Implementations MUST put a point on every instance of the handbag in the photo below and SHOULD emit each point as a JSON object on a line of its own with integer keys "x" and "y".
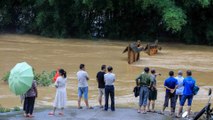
{"x": 136, "y": 91}
{"x": 195, "y": 90}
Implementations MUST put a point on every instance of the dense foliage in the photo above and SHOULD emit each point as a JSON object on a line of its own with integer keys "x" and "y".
{"x": 189, "y": 21}
{"x": 44, "y": 78}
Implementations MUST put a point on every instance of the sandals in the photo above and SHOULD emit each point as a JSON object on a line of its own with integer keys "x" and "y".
{"x": 80, "y": 107}
{"x": 149, "y": 111}
{"x": 139, "y": 111}
{"x": 30, "y": 116}
{"x": 153, "y": 111}
{"x": 143, "y": 112}
{"x": 162, "y": 113}
{"x": 51, "y": 113}
{"x": 60, "y": 113}
{"x": 90, "y": 108}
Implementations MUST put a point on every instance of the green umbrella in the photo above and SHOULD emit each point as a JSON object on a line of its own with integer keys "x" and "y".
{"x": 21, "y": 78}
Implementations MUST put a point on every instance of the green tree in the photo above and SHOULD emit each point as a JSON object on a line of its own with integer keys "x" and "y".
{"x": 188, "y": 21}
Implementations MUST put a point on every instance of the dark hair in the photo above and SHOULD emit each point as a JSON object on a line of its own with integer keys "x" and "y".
{"x": 153, "y": 71}
{"x": 82, "y": 66}
{"x": 171, "y": 73}
{"x": 63, "y": 73}
{"x": 103, "y": 67}
{"x": 188, "y": 72}
{"x": 109, "y": 68}
{"x": 146, "y": 69}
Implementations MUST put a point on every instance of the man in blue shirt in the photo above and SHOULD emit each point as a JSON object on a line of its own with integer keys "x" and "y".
{"x": 170, "y": 84}
{"x": 188, "y": 84}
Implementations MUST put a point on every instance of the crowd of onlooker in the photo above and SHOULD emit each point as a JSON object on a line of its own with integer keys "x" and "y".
{"x": 176, "y": 89}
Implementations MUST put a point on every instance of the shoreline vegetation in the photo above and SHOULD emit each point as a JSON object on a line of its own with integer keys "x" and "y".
{"x": 162, "y": 40}
{"x": 184, "y": 21}
{"x": 43, "y": 79}
{"x": 6, "y": 110}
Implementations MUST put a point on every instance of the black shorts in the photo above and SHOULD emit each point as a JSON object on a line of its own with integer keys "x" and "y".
{"x": 153, "y": 94}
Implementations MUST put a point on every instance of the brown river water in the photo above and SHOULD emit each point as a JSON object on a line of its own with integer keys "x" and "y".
{"x": 48, "y": 54}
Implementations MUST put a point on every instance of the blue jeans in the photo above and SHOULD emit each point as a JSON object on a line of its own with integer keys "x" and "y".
{"x": 83, "y": 90}
{"x": 178, "y": 97}
{"x": 143, "y": 96}
{"x": 183, "y": 100}
{"x": 109, "y": 91}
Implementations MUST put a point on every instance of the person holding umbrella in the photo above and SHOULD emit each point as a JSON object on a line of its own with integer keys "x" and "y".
{"x": 61, "y": 93}
{"x": 21, "y": 83}
{"x": 29, "y": 100}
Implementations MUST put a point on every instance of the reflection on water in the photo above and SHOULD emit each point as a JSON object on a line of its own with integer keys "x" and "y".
{"x": 48, "y": 54}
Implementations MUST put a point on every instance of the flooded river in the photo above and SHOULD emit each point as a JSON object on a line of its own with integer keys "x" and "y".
{"x": 48, "y": 54}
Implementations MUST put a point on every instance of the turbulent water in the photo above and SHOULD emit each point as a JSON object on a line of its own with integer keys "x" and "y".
{"x": 49, "y": 54}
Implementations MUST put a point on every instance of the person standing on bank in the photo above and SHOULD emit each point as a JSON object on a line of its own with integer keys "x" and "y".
{"x": 180, "y": 88}
{"x": 170, "y": 84}
{"x": 83, "y": 77}
{"x": 101, "y": 84}
{"x": 29, "y": 100}
{"x": 144, "y": 81}
{"x": 109, "y": 79}
{"x": 61, "y": 93}
{"x": 189, "y": 83}
{"x": 152, "y": 91}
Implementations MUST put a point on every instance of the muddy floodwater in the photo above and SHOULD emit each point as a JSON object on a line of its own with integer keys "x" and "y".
{"x": 48, "y": 54}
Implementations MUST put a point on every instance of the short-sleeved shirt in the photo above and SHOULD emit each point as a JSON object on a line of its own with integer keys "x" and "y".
{"x": 82, "y": 78}
{"x": 170, "y": 82}
{"x": 188, "y": 84}
{"x": 179, "y": 90}
{"x": 144, "y": 79}
{"x": 61, "y": 82}
{"x": 153, "y": 79}
{"x": 32, "y": 92}
{"x": 109, "y": 79}
{"x": 100, "y": 79}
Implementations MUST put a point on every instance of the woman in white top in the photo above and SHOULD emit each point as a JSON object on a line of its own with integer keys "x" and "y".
{"x": 61, "y": 93}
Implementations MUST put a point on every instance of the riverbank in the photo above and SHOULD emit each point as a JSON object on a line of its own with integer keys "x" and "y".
{"x": 88, "y": 114}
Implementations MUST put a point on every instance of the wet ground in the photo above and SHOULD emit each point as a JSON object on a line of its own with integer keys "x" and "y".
{"x": 95, "y": 114}
{"x": 48, "y": 54}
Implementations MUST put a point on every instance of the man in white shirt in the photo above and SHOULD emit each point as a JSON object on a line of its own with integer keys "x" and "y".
{"x": 82, "y": 77}
{"x": 179, "y": 90}
{"x": 109, "y": 79}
